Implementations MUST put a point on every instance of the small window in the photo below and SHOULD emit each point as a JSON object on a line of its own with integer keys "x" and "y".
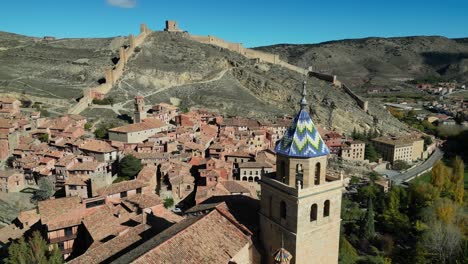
{"x": 313, "y": 213}
{"x": 283, "y": 210}
{"x": 123, "y": 194}
{"x": 138, "y": 190}
{"x": 326, "y": 208}
{"x": 72, "y": 187}
{"x": 68, "y": 232}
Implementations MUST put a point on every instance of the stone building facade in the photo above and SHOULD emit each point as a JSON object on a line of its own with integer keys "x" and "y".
{"x": 407, "y": 149}
{"x": 301, "y": 205}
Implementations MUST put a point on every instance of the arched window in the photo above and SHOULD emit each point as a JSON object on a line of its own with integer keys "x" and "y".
{"x": 326, "y": 208}
{"x": 256, "y": 179}
{"x": 317, "y": 174}
{"x": 283, "y": 210}
{"x": 250, "y": 179}
{"x": 282, "y": 171}
{"x": 299, "y": 171}
{"x": 313, "y": 212}
{"x": 244, "y": 178}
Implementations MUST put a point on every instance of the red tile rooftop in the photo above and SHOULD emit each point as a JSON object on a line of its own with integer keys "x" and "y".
{"x": 216, "y": 236}
{"x": 121, "y": 187}
{"x": 86, "y": 166}
{"x": 145, "y": 125}
{"x": 62, "y": 212}
{"x": 99, "y": 146}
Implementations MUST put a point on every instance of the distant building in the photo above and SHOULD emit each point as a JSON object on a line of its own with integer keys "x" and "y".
{"x": 139, "y": 132}
{"x": 172, "y": 26}
{"x": 11, "y": 181}
{"x": 404, "y": 148}
{"x": 252, "y": 171}
{"x": 353, "y": 150}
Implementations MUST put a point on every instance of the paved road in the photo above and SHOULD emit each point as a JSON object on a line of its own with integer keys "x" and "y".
{"x": 400, "y": 178}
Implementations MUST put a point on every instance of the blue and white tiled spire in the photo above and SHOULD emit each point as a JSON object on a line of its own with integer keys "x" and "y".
{"x": 302, "y": 139}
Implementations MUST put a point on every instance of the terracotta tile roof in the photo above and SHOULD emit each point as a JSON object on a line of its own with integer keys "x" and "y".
{"x": 102, "y": 223}
{"x": 30, "y": 216}
{"x": 87, "y": 166}
{"x": 8, "y": 173}
{"x": 97, "y": 146}
{"x": 213, "y": 238}
{"x": 234, "y": 187}
{"x": 8, "y": 100}
{"x": 75, "y": 180}
{"x": 65, "y": 160}
{"x": 146, "y": 125}
{"x": 240, "y": 122}
{"x": 104, "y": 251}
{"x": 255, "y": 164}
{"x": 6, "y": 123}
{"x": 146, "y": 173}
{"x": 397, "y": 141}
{"x": 121, "y": 187}
{"x": 169, "y": 216}
{"x": 144, "y": 200}
{"x": 61, "y": 213}
{"x": 239, "y": 154}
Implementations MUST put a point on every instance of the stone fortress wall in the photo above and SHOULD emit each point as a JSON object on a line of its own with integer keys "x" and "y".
{"x": 275, "y": 59}
{"x": 112, "y": 75}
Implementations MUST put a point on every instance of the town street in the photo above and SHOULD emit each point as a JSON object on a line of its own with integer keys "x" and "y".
{"x": 427, "y": 164}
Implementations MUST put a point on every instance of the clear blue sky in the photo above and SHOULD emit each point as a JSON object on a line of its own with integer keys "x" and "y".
{"x": 252, "y": 22}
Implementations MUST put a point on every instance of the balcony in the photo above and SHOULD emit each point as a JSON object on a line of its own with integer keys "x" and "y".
{"x": 62, "y": 238}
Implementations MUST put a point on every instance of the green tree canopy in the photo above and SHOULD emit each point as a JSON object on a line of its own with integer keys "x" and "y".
{"x": 36, "y": 251}
{"x": 46, "y": 189}
{"x": 129, "y": 166}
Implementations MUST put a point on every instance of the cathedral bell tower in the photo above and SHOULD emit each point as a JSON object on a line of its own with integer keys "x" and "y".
{"x": 300, "y": 204}
{"x": 140, "y": 112}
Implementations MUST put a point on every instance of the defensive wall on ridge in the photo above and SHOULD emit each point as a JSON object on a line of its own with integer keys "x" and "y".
{"x": 112, "y": 75}
{"x": 275, "y": 59}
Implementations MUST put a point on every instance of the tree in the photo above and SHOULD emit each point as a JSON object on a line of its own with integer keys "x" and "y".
{"x": 129, "y": 166}
{"x": 55, "y": 255}
{"x": 46, "y": 189}
{"x": 18, "y": 252}
{"x": 43, "y": 137}
{"x": 427, "y": 141}
{"x": 400, "y": 165}
{"x": 440, "y": 174}
{"x": 443, "y": 241}
{"x": 35, "y": 251}
{"x": 168, "y": 202}
{"x": 368, "y": 229}
{"x": 347, "y": 253}
{"x": 10, "y": 161}
{"x": 370, "y": 153}
{"x": 101, "y": 132}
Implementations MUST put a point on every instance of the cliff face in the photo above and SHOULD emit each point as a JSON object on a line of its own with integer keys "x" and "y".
{"x": 382, "y": 59}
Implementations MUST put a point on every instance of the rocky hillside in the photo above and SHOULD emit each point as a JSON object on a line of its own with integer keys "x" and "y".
{"x": 56, "y": 69}
{"x": 200, "y": 75}
{"x": 170, "y": 65}
{"x": 382, "y": 59}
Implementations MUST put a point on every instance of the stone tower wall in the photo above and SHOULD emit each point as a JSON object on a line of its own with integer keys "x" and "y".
{"x": 112, "y": 75}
